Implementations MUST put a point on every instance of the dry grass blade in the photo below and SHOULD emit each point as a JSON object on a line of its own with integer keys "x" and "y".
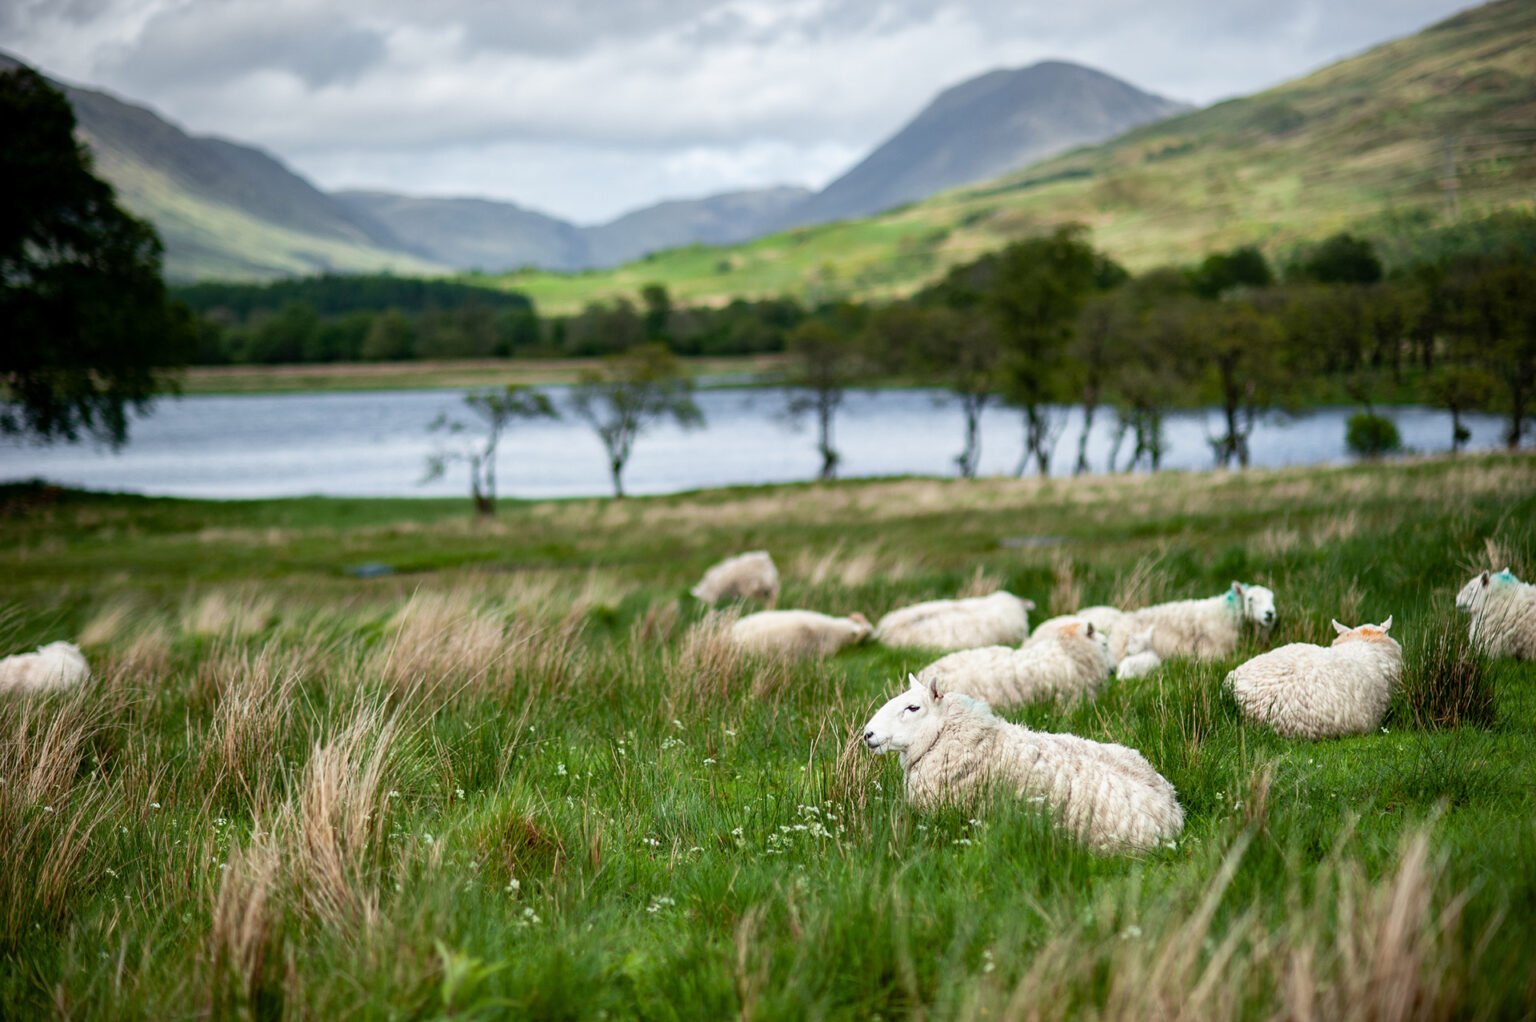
{"x": 50, "y": 808}
{"x": 339, "y": 820}
{"x": 255, "y": 709}
{"x": 245, "y": 933}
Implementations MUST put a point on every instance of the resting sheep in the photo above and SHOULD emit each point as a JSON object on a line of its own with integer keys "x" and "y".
{"x": 56, "y": 666}
{"x": 1001, "y": 619}
{"x": 1071, "y": 662}
{"x": 1503, "y": 610}
{"x": 1306, "y": 691}
{"x": 1104, "y": 620}
{"x": 1199, "y": 628}
{"x": 799, "y": 633}
{"x": 748, "y": 576}
{"x": 953, "y": 749}
{"x": 1140, "y": 658}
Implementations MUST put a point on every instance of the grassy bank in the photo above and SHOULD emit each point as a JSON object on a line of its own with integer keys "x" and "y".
{"x": 522, "y": 774}
{"x": 441, "y": 373}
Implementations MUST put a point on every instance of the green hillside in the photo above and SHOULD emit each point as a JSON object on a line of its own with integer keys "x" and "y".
{"x": 207, "y": 239}
{"x": 1365, "y": 144}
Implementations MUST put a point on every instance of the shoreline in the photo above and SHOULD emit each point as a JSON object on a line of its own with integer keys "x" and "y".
{"x": 444, "y": 374}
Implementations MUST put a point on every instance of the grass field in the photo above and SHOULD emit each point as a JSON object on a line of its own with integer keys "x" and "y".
{"x": 448, "y": 373}
{"x": 523, "y": 776}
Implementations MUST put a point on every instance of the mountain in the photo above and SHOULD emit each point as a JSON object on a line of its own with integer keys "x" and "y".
{"x": 224, "y": 209}
{"x": 716, "y": 220}
{"x": 499, "y": 236}
{"x": 1425, "y": 131}
{"x": 476, "y": 234}
{"x": 984, "y": 127}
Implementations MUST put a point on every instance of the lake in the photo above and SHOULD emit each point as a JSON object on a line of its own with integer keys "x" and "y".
{"x": 376, "y": 444}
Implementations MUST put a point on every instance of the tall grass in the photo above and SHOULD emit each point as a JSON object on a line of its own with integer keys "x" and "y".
{"x": 533, "y": 778}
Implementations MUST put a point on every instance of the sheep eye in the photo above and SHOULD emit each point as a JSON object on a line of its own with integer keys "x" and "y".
{"x": 913, "y": 709}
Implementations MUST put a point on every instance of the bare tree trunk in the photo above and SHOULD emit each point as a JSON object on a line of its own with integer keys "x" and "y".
{"x": 829, "y": 458}
{"x": 1081, "y": 467}
{"x": 970, "y": 456}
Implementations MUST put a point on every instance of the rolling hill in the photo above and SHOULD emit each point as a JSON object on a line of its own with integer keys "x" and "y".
{"x": 496, "y": 236}
{"x": 223, "y": 209}
{"x": 1406, "y": 136}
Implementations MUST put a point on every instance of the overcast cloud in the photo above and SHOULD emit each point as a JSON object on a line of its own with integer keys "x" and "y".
{"x": 586, "y": 109}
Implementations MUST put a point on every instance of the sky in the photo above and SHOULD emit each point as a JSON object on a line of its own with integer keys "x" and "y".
{"x": 585, "y": 109}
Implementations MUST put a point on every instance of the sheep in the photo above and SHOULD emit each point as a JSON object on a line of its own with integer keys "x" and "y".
{"x": 1503, "y": 610}
{"x": 1103, "y": 619}
{"x": 1074, "y": 661}
{"x": 952, "y": 748}
{"x": 1305, "y": 691}
{"x": 1199, "y": 628}
{"x": 1001, "y": 619}
{"x": 1140, "y": 658}
{"x": 799, "y": 632}
{"x": 58, "y": 665}
{"x": 748, "y": 576}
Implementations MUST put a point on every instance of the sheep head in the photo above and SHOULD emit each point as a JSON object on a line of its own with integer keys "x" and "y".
{"x": 1364, "y": 633}
{"x": 907, "y": 724}
{"x": 1471, "y": 596}
{"x": 1255, "y": 603}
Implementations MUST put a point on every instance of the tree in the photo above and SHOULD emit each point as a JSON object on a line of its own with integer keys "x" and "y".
{"x": 1222, "y": 272}
{"x": 658, "y": 312}
{"x": 390, "y": 337}
{"x": 1036, "y": 290}
{"x": 1340, "y": 259}
{"x": 823, "y": 360}
{"x": 496, "y": 411}
{"x": 954, "y": 349}
{"x": 88, "y": 332}
{"x": 632, "y": 392}
{"x": 1460, "y": 389}
{"x": 1091, "y": 353}
{"x": 1156, "y": 361}
{"x": 1494, "y": 315}
{"x": 1239, "y": 348}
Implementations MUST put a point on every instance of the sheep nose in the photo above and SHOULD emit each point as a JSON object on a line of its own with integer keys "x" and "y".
{"x": 869, "y": 738}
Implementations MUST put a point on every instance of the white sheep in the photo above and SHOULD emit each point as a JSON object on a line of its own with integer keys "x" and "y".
{"x": 1306, "y": 691}
{"x": 953, "y": 748}
{"x": 1140, "y": 658}
{"x": 1001, "y": 619}
{"x": 1103, "y": 619}
{"x": 748, "y": 576}
{"x": 56, "y": 666}
{"x": 1072, "y": 662}
{"x": 1199, "y": 628}
{"x": 799, "y": 632}
{"x": 1503, "y": 610}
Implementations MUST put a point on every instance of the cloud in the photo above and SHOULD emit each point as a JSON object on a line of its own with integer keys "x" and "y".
{"x": 610, "y": 98}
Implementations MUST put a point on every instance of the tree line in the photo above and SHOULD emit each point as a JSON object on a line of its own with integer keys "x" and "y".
{"x": 1048, "y": 323}
{"x": 384, "y": 318}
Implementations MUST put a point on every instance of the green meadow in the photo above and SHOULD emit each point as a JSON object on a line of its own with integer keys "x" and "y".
{"x": 523, "y": 775}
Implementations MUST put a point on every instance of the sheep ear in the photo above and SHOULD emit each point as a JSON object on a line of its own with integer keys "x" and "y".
{"x": 1029, "y": 604}
{"x": 912, "y": 681}
{"x": 1089, "y": 632}
{"x": 1339, "y": 628}
{"x": 1485, "y": 578}
{"x": 1386, "y": 625}
{"x": 1237, "y": 587}
{"x": 933, "y": 690}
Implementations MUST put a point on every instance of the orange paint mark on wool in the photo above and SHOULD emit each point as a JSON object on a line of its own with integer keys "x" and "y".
{"x": 1365, "y": 633}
